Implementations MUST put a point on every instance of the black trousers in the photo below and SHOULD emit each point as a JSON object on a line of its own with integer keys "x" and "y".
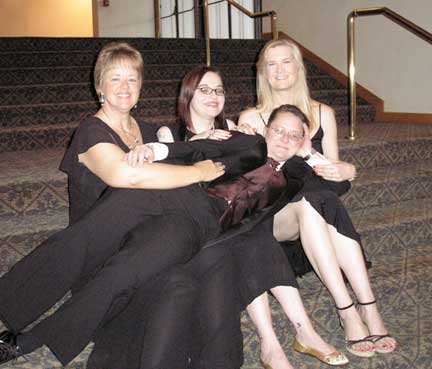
{"x": 154, "y": 330}
{"x": 170, "y": 333}
{"x": 173, "y": 226}
{"x": 229, "y": 276}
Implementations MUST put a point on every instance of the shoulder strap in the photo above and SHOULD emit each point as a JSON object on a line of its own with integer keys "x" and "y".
{"x": 262, "y": 118}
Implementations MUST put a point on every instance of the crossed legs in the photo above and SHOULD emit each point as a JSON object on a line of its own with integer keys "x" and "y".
{"x": 330, "y": 253}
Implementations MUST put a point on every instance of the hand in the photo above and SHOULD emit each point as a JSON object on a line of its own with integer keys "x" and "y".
{"x": 212, "y": 134}
{"x": 139, "y": 155}
{"x": 209, "y": 170}
{"x": 306, "y": 147}
{"x": 245, "y": 128}
{"x": 336, "y": 171}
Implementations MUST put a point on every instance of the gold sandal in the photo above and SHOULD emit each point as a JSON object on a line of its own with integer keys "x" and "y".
{"x": 335, "y": 358}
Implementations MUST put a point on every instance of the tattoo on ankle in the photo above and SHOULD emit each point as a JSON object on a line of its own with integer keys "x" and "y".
{"x": 298, "y": 325}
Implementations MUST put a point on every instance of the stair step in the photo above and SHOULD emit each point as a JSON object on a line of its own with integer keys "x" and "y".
{"x": 83, "y": 92}
{"x": 386, "y": 185}
{"x": 20, "y": 235}
{"x": 386, "y": 144}
{"x": 394, "y": 226}
{"x": 41, "y": 44}
{"x": 84, "y": 74}
{"x": 20, "y": 116}
{"x": 42, "y": 137}
{"x": 47, "y": 75}
{"x": 31, "y": 183}
{"x": 52, "y": 114}
{"x": 88, "y": 57}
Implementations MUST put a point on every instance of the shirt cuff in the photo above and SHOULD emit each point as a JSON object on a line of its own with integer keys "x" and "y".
{"x": 160, "y": 150}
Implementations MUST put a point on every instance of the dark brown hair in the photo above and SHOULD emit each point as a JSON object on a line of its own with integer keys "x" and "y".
{"x": 188, "y": 88}
{"x": 287, "y": 108}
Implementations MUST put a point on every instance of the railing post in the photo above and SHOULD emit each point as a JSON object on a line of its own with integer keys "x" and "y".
{"x": 157, "y": 17}
{"x": 351, "y": 76}
{"x": 273, "y": 19}
{"x": 206, "y": 32}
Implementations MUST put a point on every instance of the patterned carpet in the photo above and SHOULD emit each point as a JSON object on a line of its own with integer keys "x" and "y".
{"x": 43, "y": 96}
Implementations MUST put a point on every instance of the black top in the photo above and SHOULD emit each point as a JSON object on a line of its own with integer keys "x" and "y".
{"x": 317, "y": 140}
{"x": 84, "y": 186}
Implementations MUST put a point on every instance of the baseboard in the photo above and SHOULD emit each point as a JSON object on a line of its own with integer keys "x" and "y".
{"x": 362, "y": 92}
{"x": 403, "y": 117}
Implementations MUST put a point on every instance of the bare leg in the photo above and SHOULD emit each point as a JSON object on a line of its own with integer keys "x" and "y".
{"x": 292, "y": 304}
{"x": 271, "y": 350}
{"x": 351, "y": 261}
{"x": 319, "y": 248}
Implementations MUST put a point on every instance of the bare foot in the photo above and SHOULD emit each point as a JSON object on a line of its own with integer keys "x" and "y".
{"x": 356, "y": 330}
{"x": 274, "y": 357}
{"x": 373, "y": 320}
{"x": 312, "y": 339}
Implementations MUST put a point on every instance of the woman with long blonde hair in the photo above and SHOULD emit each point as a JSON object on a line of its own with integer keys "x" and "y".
{"x": 331, "y": 246}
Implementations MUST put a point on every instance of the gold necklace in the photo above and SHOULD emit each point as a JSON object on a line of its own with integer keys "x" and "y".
{"x": 135, "y": 139}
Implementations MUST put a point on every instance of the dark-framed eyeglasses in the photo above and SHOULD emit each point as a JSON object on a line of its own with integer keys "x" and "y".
{"x": 293, "y": 136}
{"x": 207, "y": 90}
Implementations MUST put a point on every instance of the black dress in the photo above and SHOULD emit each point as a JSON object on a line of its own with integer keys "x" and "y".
{"x": 323, "y": 196}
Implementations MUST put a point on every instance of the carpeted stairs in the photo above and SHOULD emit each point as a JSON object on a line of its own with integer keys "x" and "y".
{"x": 46, "y": 89}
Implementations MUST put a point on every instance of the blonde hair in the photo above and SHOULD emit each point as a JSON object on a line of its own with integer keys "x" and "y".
{"x": 301, "y": 96}
{"x": 116, "y": 53}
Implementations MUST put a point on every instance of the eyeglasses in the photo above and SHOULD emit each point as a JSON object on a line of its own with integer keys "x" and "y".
{"x": 280, "y": 132}
{"x": 207, "y": 90}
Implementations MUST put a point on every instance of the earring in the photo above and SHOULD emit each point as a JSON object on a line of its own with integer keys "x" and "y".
{"x": 136, "y": 105}
{"x": 101, "y": 98}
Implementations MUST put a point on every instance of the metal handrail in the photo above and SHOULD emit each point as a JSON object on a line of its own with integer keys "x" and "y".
{"x": 398, "y": 19}
{"x": 266, "y": 13}
{"x": 157, "y": 18}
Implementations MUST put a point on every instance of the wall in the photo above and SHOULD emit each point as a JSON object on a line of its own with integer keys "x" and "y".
{"x": 390, "y": 61}
{"x": 49, "y": 18}
{"x": 126, "y": 18}
{"x": 136, "y": 18}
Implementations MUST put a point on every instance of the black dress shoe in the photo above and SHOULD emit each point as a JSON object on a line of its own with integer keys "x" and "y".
{"x": 8, "y": 347}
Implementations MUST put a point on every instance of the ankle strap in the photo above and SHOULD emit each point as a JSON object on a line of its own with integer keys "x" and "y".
{"x": 366, "y": 303}
{"x": 345, "y": 307}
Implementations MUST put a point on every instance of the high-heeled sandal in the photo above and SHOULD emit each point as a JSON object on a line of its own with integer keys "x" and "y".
{"x": 351, "y": 343}
{"x": 376, "y": 338}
